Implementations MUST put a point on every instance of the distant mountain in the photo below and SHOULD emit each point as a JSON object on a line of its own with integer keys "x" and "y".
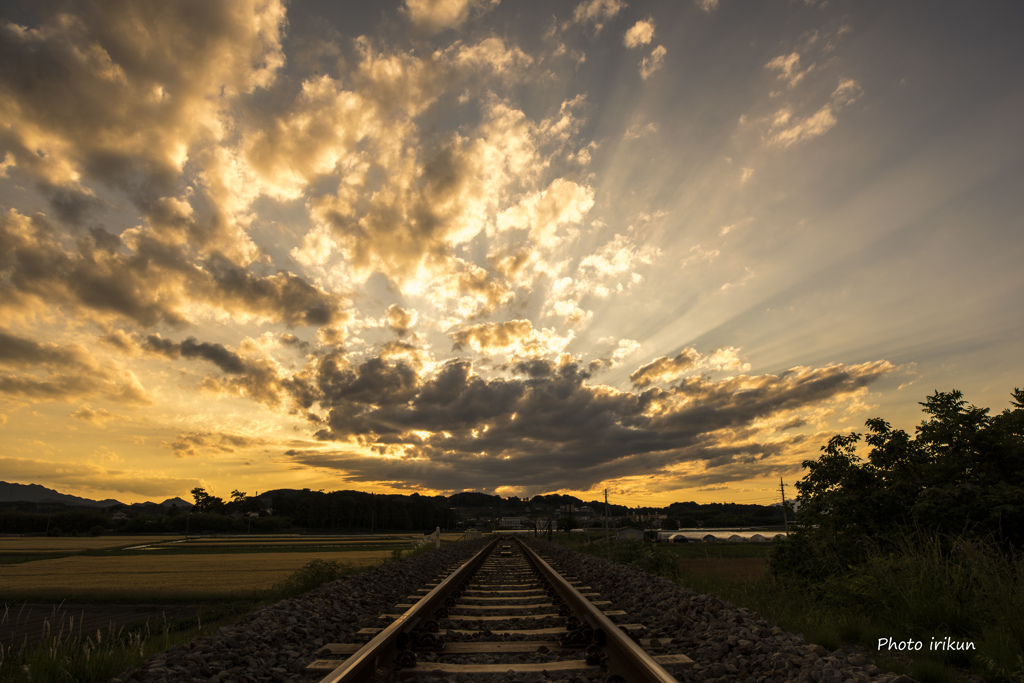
{"x": 175, "y": 501}
{"x": 34, "y": 493}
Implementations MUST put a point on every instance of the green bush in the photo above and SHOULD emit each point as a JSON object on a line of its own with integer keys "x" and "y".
{"x": 312, "y": 575}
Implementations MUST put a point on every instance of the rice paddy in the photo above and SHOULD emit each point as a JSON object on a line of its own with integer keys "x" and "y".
{"x": 163, "y": 568}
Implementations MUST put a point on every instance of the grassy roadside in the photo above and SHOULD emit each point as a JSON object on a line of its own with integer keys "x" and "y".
{"x": 929, "y": 589}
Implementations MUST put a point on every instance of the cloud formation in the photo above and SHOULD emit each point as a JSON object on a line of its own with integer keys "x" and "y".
{"x": 786, "y": 130}
{"x": 788, "y": 67}
{"x": 664, "y": 369}
{"x": 516, "y": 339}
{"x": 597, "y": 13}
{"x": 400, "y": 319}
{"x": 195, "y": 444}
{"x": 641, "y": 33}
{"x": 142, "y": 279}
{"x": 147, "y": 81}
{"x": 37, "y": 370}
{"x": 433, "y": 244}
{"x": 652, "y": 62}
{"x": 435, "y": 15}
{"x": 549, "y": 427}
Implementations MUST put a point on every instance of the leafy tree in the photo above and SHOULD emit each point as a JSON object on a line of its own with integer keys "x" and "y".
{"x": 244, "y": 503}
{"x": 962, "y": 471}
{"x": 205, "y": 502}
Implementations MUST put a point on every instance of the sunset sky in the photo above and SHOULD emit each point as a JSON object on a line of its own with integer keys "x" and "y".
{"x": 519, "y": 246}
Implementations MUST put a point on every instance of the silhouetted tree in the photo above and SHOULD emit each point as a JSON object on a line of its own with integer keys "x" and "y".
{"x": 205, "y": 502}
{"x": 963, "y": 471}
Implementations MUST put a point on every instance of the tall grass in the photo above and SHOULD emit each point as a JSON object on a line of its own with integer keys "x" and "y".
{"x": 922, "y": 588}
{"x": 311, "y": 575}
{"x": 71, "y": 656}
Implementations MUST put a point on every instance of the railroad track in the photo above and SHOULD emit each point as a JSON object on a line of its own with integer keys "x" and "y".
{"x": 507, "y": 605}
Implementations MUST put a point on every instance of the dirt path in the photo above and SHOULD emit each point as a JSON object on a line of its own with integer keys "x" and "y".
{"x": 33, "y": 622}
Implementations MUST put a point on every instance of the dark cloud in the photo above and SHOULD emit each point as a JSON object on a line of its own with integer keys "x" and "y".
{"x": 72, "y": 206}
{"x": 226, "y": 360}
{"x": 119, "y": 339}
{"x": 284, "y": 296}
{"x": 257, "y": 378}
{"x": 549, "y": 428}
{"x": 665, "y": 368}
{"x": 165, "y": 347}
{"x": 400, "y": 320}
{"x": 196, "y": 444}
{"x": 291, "y": 340}
{"x": 150, "y": 283}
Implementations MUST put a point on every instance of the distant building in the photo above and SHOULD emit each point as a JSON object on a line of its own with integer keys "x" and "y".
{"x": 119, "y": 516}
{"x": 510, "y": 522}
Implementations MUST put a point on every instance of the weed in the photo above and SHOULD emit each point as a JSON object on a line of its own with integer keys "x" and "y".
{"x": 312, "y": 575}
{"x": 69, "y": 655}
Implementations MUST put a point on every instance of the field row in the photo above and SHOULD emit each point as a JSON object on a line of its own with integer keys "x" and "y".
{"x": 23, "y": 545}
{"x": 174, "y": 577}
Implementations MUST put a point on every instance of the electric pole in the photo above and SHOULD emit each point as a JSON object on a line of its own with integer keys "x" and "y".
{"x": 606, "y": 518}
{"x": 785, "y": 517}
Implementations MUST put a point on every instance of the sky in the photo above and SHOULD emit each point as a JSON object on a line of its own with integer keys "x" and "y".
{"x": 666, "y": 249}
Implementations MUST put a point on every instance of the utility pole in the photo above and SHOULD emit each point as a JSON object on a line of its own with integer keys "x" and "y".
{"x": 785, "y": 517}
{"x": 606, "y": 518}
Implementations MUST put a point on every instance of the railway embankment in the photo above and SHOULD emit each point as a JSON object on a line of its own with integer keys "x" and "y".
{"x": 727, "y": 643}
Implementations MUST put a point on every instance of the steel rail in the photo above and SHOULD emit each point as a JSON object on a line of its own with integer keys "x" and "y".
{"x": 625, "y": 657}
{"x": 382, "y": 650}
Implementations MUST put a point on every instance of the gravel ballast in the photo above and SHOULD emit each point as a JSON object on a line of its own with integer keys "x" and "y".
{"x": 727, "y": 643}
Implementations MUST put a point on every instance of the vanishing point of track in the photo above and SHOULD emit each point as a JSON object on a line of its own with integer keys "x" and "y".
{"x": 506, "y": 602}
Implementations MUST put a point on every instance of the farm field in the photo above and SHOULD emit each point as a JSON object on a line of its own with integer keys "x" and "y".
{"x": 157, "y": 578}
{"x": 25, "y": 545}
{"x": 172, "y": 569}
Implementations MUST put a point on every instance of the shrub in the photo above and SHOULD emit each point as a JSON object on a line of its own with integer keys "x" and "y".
{"x": 312, "y": 575}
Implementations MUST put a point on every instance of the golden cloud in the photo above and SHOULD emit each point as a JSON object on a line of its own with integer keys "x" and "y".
{"x": 148, "y": 81}
{"x": 515, "y": 338}
{"x": 641, "y": 33}
{"x": 432, "y": 16}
